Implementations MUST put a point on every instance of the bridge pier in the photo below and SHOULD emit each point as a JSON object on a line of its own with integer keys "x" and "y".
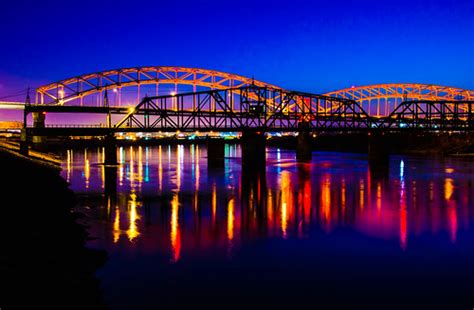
{"x": 110, "y": 182}
{"x": 215, "y": 153}
{"x": 253, "y": 145}
{"x": 110, "y": 149}
{"x": 38, "y": 122}
{"x": 304, "y": 143}
{"x": 378, "y": 151}
{"x": 24, "y": 143}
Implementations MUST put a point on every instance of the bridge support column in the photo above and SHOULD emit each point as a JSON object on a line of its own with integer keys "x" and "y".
{"x": 110, "y": 149}
{"x": 378, "y": 151}
{"x": 215, "y": 153}
{"x": 253, "y": 149}
{"x": 38, "y": 122}
{"x": 110, "y": 182}
{"x": 304, "y": 143}
{"x": 24, "y": 143}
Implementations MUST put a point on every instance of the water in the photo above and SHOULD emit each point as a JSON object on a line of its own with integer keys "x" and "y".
{"x": 330, "y": 233}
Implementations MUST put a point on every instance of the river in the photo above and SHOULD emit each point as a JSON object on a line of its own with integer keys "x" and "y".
{"x": 329, "y": 233}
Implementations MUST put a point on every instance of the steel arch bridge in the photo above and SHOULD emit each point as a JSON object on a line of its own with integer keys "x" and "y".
{"x": 378, "y": 100}
{"x": 74, "y": 90}
{"x": 381, "y": 100}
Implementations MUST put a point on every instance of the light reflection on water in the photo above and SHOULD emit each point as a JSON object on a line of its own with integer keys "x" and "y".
{"x": 170, "y": 210}
{"x": 334, "y": 190}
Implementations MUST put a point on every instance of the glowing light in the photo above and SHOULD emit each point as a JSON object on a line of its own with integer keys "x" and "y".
{"x": 402, "y": 167}
{"x": 326, "y": 198}
{"x": 270, "y": 208}
{"x": 121, "y": 160}
{"x": 61, "y": 94}
{"x": 403, "y": 226}
{"x": 87, "y": 169}
{"x": 179, "y": 164}
{"x": 132, "y": 231}
{"x": 361, "y": 193}
{"x": 230, "y": 220}
{"x": 69, "y": 165}
{"x": 173, "y": 93}
{"x": 343, "y": 196}
{"x": 115, "y": 89}
{"x": 196, "y": 184}
{"x": 214, "y": 203}
{"x": 140, "y": 166}
{"x": 284, "y": 219}
{"x": 379, "y": 196}
{"x": 403, "y": 213}
{"x": 116, "y": 228}
{"x": 160, "y": 169}
{"x": 175, "y": 233}
{"x": 449, "y": 170}
{"x": 132, "y": 170}
{"x": 448, "y": 188}
{"x": 286, "y": 201}
{"x": 131, "y": 110}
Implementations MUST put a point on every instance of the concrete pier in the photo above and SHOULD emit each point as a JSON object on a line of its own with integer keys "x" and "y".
{"x": 110, "y": 148}
{"x": 38, "y": 122}
{"x": 24, "y": 143}
{"x": 110, "y": 182}
{"x": 253, "y": 145}
{"x": 215, "y": 153}
{"x": 378, "y": 151}
{"x": 304, "y": 146}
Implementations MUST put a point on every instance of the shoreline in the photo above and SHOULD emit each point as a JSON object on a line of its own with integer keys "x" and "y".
{"x": 44, "y": 257}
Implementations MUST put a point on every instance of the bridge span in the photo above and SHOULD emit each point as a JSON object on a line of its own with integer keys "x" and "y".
{"x": 254, "y": 110}
{"x": 209, "y": 100}
{"x": 258, "y": 108}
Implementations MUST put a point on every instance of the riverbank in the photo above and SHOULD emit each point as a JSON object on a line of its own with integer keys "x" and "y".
{"x": 43, "y": 262}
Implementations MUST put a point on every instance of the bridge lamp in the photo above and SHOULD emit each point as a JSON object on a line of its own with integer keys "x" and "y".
{"x": 173, "y": 93}
{"x": 131, "y": 110}
{"x": 115, "y": 89}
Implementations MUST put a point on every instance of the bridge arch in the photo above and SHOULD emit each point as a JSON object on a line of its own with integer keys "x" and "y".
{"x": 74, "y": 90}
{"x": 382, "y": 99}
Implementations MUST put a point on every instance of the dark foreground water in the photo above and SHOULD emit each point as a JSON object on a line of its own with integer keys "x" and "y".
{"x": 330, "y": 233}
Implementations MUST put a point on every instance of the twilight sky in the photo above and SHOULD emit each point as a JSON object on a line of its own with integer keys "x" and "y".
{"x": 314, "y": 46}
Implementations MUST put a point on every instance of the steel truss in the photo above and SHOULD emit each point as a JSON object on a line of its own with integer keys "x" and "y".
{"x": 431, "y": 115}
{"x": 265, "y": 109}
{"x": 249, "y": 107}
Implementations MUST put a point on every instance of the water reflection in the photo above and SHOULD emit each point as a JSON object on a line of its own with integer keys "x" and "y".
{"x": 164, "y": 200}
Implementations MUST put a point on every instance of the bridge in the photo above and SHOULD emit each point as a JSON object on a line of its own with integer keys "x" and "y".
{"x": 258, "y": 108}
{"x": 208, "y": 100}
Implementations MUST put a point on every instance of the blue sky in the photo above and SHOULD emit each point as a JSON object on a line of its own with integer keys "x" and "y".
{"x": 314, "y": 46}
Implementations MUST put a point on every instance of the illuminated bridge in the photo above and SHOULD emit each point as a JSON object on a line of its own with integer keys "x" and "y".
{"x": 151, "y": 99}
{"x": 187, "y": 99}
